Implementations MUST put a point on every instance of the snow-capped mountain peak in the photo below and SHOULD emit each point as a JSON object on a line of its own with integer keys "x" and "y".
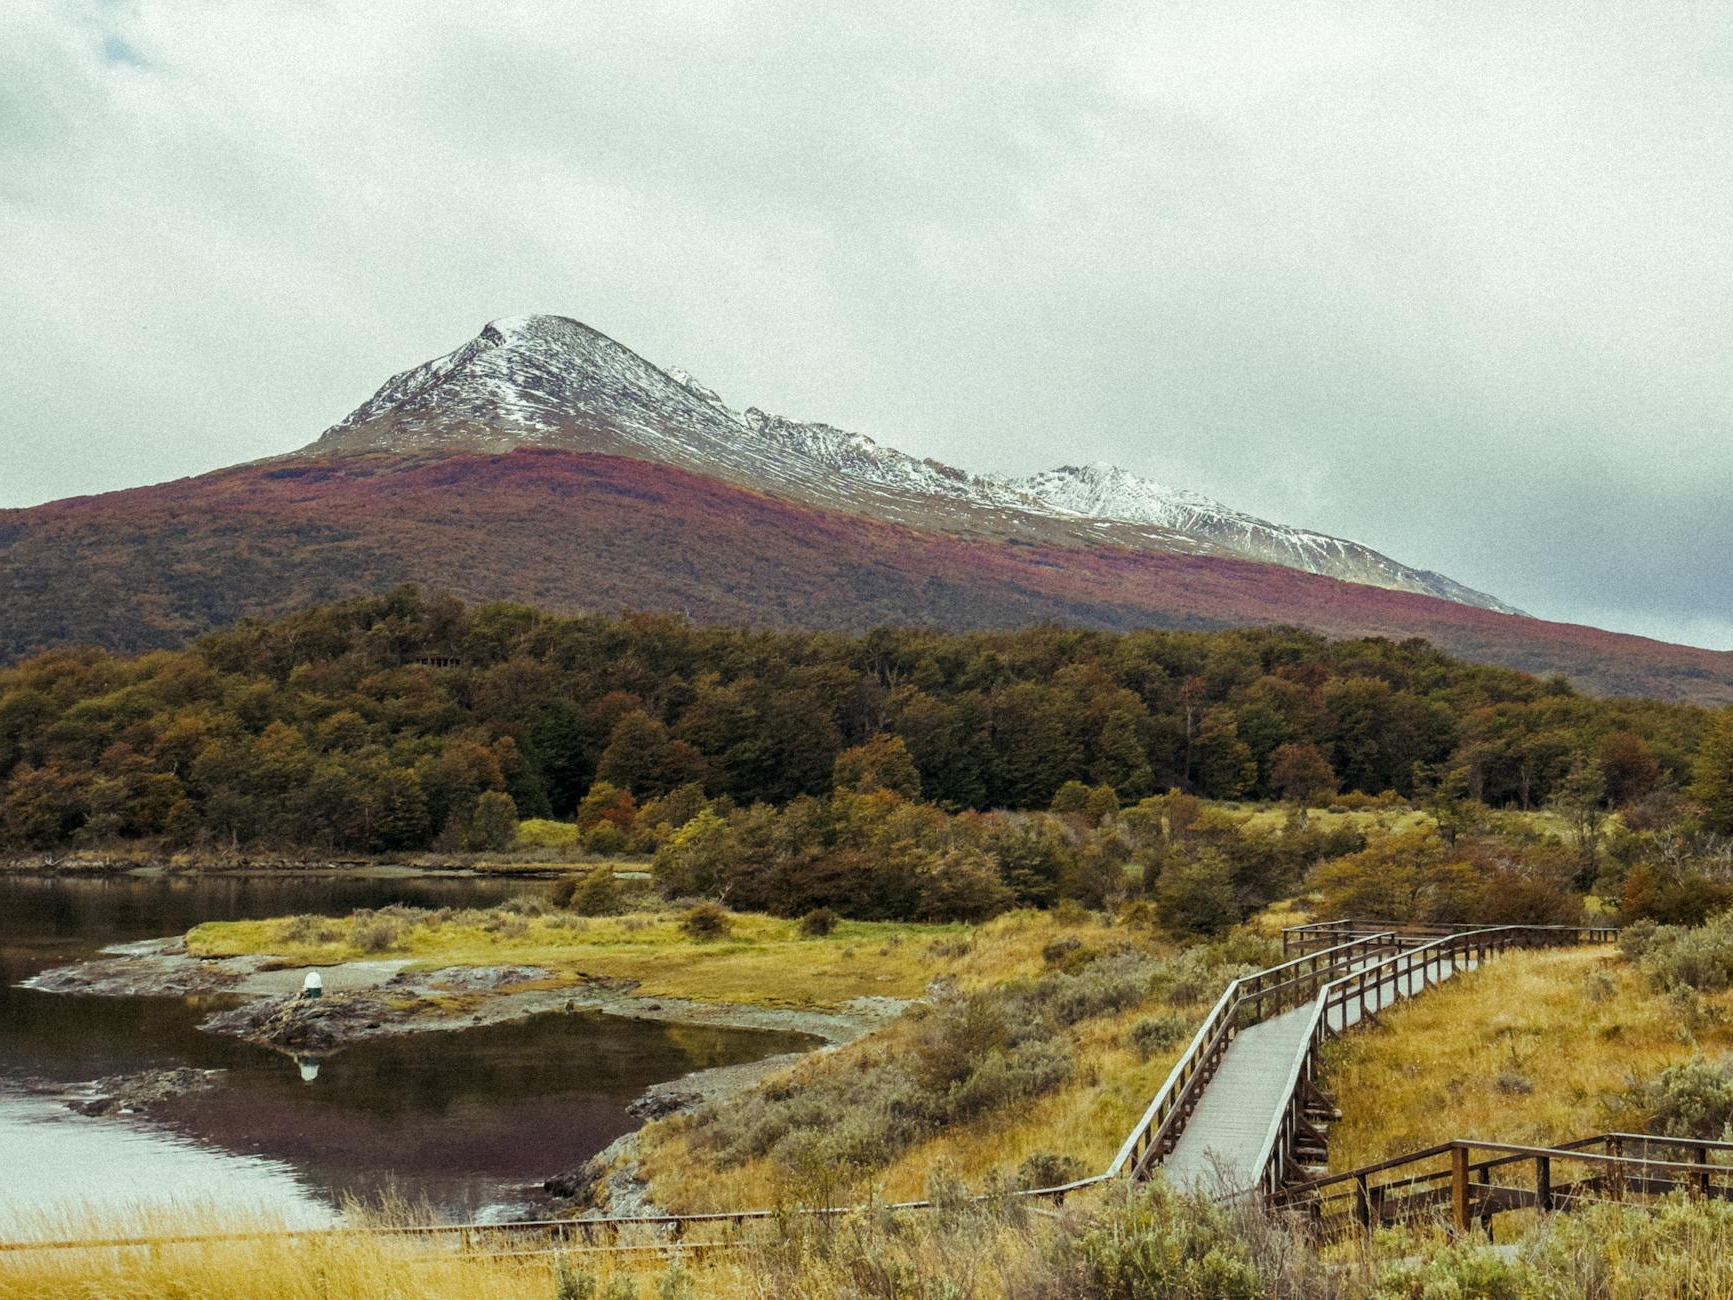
{"x": 554, "y": 381}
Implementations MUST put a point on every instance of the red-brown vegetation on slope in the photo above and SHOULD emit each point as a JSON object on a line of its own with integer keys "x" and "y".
{"x": 152, "y": 566}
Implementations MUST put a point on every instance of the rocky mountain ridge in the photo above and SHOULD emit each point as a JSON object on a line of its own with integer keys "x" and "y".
{"x": 549, "y": 381}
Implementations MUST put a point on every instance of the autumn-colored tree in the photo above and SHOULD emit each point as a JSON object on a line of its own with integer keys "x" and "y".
{"x": 607, "y": 804}
{"x": 697, "y": 858}
{"x": 1224, "y": 763}
{"x": 882, "y": 763}
{"x": 1630, "y": 767}
{"x": 1299, "y": 771}
{"x": 1401, "y": 877}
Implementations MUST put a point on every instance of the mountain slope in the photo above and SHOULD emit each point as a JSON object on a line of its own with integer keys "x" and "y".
{"x": 572, "y": 531}
{"x": 1106, "y": 491}
{"x": 548, "y": 381}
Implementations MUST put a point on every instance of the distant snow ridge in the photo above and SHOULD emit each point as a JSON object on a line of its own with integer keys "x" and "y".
{"x": 1108, "y": 492}
{"x": 553, "y": 381}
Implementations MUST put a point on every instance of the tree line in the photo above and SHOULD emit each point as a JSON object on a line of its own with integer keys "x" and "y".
{"x": 383, "y": 725}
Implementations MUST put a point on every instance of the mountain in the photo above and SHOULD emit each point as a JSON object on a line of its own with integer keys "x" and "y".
{"x": 548, "y": 381}
{"x": 1106, "y": 491}
{"x": 544, "y": 463}
{"x": 572, "y": 531}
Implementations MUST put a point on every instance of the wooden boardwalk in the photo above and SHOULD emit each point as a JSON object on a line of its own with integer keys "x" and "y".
{"x": 1219, "y": 1147}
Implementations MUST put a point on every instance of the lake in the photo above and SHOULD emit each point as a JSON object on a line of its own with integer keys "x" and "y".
{"x": 462, "y": 1120}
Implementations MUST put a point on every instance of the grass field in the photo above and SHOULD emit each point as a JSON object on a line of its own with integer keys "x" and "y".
{"x": 1536, "y": 1047}
{"x": 763, "y": 961}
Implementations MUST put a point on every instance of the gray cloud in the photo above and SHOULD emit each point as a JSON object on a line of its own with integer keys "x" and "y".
{"x": 1451, "y": 280}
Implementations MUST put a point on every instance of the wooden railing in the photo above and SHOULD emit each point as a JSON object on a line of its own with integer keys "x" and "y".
{"x": 1410, "y": 970}
{"x": 1242, "y": 1004}
{"x": 1326, "y": 934}
{"x": 1465, "y": 1181}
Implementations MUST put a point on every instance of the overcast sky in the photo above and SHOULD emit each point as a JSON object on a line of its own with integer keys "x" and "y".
{"x": 1450, "y": 280}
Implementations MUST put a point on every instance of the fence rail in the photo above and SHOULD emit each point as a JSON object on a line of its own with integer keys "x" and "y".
{"x": 1468, "y": 1180}
{"x": 1244, "y": 1003}
{"x": 1324, "y": 934}
{"x": 1408, "y": 971}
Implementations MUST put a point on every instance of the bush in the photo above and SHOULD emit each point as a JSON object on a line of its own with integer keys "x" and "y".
{"x": 371, "y": 934}
{"x": 818, "y": 923}
{"x": 1155, "y": 1034}
{"x": 541, "y": 833}
{"x": 605, "y": 840}
{"x": 1636, "y": 938}
{"x": 1060, "y": 951}
{"x": 706, "y": 921}
{"x": 595, "y": 893}
{"x": 1691, "y": 1099}
{"x": 1699, "y": 959}
{"x": 1157, "y": 1242}
{"x": 1045, "y": 1169}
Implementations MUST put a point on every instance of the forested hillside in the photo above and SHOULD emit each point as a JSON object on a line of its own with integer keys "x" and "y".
{"x": 380, "y": 724}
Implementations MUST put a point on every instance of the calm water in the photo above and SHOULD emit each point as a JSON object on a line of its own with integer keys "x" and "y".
{"x": 462, "y": 1119}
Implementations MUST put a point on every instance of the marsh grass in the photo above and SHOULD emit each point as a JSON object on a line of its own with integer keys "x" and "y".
{"x": 760, "y": 960}
{"x": 1081, "y": 1013}
{"x": 1534, "y": 1048}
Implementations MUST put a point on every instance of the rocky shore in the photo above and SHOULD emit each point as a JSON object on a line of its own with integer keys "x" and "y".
{"x": 366, "y": 999}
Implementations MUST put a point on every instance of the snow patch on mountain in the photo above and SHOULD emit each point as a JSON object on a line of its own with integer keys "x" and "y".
{"x": 553, "y": 381}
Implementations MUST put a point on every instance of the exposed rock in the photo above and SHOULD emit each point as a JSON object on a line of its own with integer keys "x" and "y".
{"x": 656, "y": 1103}
{"x": 128, "y": 1093}
{"x": 302, "y": 1024}
{"x": 476, "y": 979}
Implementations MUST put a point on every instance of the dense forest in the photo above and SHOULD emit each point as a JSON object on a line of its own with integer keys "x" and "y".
{"x": 380, "y": 725}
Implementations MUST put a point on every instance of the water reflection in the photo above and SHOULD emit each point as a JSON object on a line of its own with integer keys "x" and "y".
{"x": 457, "y": 1118}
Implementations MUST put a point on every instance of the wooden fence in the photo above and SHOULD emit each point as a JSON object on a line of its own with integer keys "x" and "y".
{"x": 1295, "y": 1141}
{"x": 1462, "y": 1182}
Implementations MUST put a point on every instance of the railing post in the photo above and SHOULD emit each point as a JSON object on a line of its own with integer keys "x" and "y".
{"x": 1701, "y": 1180}
{"x": 1543, "y": 1183}
{"x": 1459, "y": 1189}
{"x": 1362, "y": 1202}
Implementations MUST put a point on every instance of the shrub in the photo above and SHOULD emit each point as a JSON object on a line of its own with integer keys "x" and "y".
{"x": 595, "y": 893}
{"x": 1045, "y": 1169}
{"x": 1061, "y": 950}
{"x": 1700, "y": 959}
{"x": 1691, "y": 1099}
{"x": 605, "y": 840}
{"x": 370, "y": 934}
{"x": 308, "y": 929}
{"x": 1155, "y": 1034}
{"x": 1112, "y": 983}
{"x": 706, "y": 921}
{"x": 525, "y": 905}
{"x": 818, "y": 923}
{"x": 1196, "y": 897}
{"x": 1157, "y": 1242}
{"x": 1636, "y": 938}
{"x": 541, "y": 833}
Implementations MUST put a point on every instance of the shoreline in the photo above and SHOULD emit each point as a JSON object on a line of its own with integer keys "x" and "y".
{"x": 365, "y": 999}
{"x": 309, "y": 868}
{"x": 371, "y": 999}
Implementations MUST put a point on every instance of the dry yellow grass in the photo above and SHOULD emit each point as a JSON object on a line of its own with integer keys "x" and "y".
{"x": 763, "y": 961}
{"x": 1534, "y": 1048}
{"x": 1086, "y": 1118}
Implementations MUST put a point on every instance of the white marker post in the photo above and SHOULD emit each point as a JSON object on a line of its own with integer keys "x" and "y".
{"x": 313, "y": 986}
